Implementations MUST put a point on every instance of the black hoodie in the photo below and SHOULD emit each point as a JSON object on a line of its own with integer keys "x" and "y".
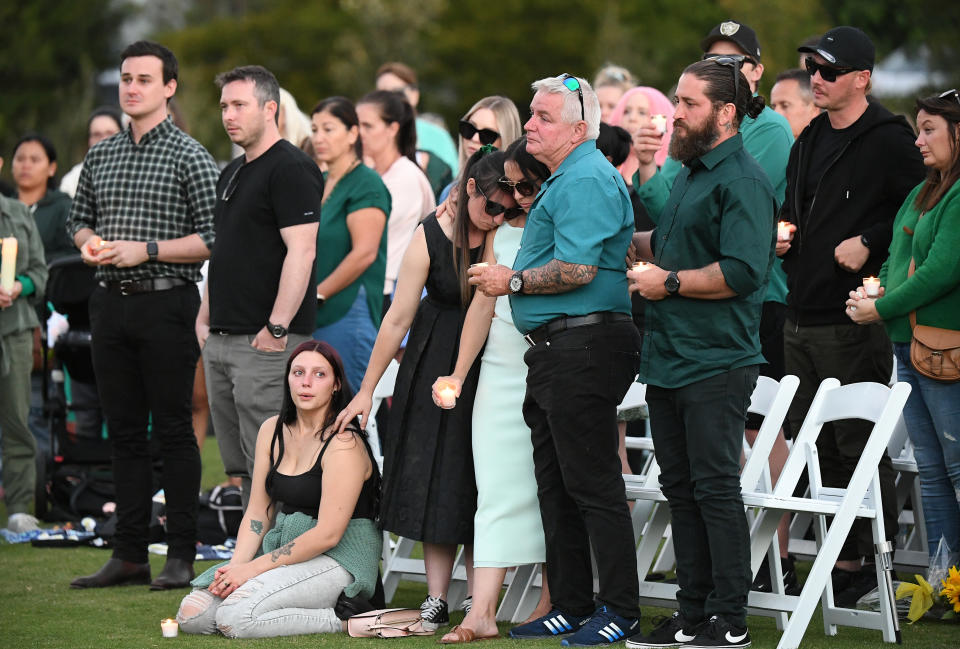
{"x": 859, "y": 193}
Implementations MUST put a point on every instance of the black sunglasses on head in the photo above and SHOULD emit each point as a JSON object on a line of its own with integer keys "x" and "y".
{"x": 523, "y": 187}
{"x": 496, "y": 209}
{"x": 487, "y": 135}
{"x": 732, "y": 61}
{"x": 573, "y": 85}
{"x": 827, "y": 73}
{"x": 743, "y": 58}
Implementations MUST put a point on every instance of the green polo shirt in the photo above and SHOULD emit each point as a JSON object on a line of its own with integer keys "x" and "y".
{"x": 768, "y": 138}
{"x": 358, "y": 189}
{"x": 582, "y": 215}
{"x": 722, "y": 209}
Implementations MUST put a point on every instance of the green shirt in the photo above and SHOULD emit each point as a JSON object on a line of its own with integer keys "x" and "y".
{"x": 582, "y": 215}
{"x": 358, "y": 189}
{"x": 435, "y": 139}
{"x": 722, "y": 209}
{"x": 934, "y": 289}
{"x": 768, "y": 139}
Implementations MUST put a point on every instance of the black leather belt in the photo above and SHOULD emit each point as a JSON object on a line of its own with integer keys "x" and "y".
{"x": 563, "y": 323}
{"x": 149, "y": 285}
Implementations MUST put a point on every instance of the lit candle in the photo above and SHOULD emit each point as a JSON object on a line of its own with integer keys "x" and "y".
{"x": 481, "y": 264}
{"x": 8, "y": 269}
{"x": 448, "y": 396}
{"x": 169, "y": 628}
{"x": 872, "y": 286}
{"x": 96, "y": 245}
{"x": 659, "y": 122}
{"x": 641, "y": 266}
{"x": 783, "y": 231}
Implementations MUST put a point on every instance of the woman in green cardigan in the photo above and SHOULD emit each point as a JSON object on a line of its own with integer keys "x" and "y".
{"x": 927, "y": 230}
{"x": 352, "y": 239}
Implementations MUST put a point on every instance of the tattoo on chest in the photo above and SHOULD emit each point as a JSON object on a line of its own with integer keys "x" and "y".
{"x": 287, "y": 549}
{"x": 256, "y": 527}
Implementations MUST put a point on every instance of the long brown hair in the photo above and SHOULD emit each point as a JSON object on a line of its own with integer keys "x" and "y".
{"x": 937, "y": 184}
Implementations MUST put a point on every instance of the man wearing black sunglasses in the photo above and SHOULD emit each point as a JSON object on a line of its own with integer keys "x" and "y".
{"x": 848, "y": 174}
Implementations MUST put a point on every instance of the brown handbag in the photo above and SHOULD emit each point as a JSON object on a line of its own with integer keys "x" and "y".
{"x": 934, "y": 352}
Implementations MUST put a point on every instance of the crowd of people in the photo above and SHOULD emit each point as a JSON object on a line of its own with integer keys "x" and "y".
{"x": 503, "y": 280}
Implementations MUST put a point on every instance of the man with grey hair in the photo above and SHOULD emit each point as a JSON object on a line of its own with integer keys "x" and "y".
{"x": 569, "y": 296}
{"x": 256, "y": 306}
{"x": 792, "y": 97}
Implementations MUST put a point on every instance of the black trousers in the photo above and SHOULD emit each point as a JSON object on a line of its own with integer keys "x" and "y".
{"x": 575, "y": 381}
{"x": 145, "y": 354}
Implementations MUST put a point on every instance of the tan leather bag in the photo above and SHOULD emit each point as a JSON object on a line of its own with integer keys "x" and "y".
{"x": 934, "y": 352}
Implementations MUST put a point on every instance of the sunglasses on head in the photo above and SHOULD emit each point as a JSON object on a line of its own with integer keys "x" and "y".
{"x": 573, "y": 85}
{"x": 732, "y": 61}
{"x": 827, "y": 73}
{"x": 952, "y": 91}
{"x": 522, "y": 187}
{"x": 743, "y": 58}
{"x": 487, "y": 135}
{"x": 496, "y": 209}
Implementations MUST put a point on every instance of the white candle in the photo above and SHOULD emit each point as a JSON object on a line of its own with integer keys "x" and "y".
{"x": 8, "y": 269}
{"x": 783, "y": 231}
{"x": 481, "y": 264}
{"x": 641, "y": 266}
{"x": 169, "y": 628}
{"x": 660, "y": 122}
{"x": 448, "y": 396}
{"x": 872, "y": 286}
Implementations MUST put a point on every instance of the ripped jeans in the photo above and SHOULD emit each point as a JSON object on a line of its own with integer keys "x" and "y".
{"x": 286, "y": 600}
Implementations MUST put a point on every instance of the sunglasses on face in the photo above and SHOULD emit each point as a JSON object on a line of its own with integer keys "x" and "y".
{"x": 522, "y": 187}
{"x": 743, "y": 58}
{"x": 487, "y": 135}
{"x": 496, "y": 209}
{"x": 573, "y": 85}
{"x": 827, "y": 73}
{"x": 732, "y": 61}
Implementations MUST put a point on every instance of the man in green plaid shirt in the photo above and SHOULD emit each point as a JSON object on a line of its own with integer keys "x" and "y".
{"x": 143, "y": 215}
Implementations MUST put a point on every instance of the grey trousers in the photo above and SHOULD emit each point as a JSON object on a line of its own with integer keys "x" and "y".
{"x": 17, "y": 444}
{"x": 245, "y": 387}
{"x": 286, "y": 600}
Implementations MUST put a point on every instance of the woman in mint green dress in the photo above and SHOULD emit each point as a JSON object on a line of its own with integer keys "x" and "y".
{"x": 507, "y": 527}
{"x": 351, "y": 240}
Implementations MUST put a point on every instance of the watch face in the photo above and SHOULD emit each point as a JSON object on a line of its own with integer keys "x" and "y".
{"x": 278, "y": 331}
{"x": 672, "y": 283}
{"x": 516, "y": 283}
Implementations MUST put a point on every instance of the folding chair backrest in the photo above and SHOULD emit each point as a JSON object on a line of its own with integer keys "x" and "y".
{"x": 383, "y": 391}
{"x": 771, "y": 399}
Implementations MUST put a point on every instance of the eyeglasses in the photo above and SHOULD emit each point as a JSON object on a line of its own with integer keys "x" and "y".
{"x": 743, "y": 58}
{"x": 732, "y": 61}
{"x": 522, "y": 187}
{"x": 496, "y": 209}
{"x": 952, "y": 91}
{"x": 573, "y": 85}
{"x": 232, "y": 185}
{"x": 827, "y": 73}
{"x": 487, "y": 135}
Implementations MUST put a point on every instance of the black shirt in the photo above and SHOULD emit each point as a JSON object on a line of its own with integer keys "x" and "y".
{"x": 824, "y": 150}
{"x": 255, "y": 200}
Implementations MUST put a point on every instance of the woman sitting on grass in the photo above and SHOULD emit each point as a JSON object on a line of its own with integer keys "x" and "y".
{"x": 291, "y": 566}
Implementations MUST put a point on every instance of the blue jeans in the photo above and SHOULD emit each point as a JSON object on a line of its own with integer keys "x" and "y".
{"x": 352, "y": 336}
{"x": 932, "y": 415}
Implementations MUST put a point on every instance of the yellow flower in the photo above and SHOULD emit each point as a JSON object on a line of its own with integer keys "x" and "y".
{"x": 951, "y": 588}
{"x": 921, "y": 597}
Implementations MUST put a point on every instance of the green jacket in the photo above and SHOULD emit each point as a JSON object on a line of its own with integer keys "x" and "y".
{"x": 51, "y": 214}
{"x": 934, "y": 289}
{"x": 16, "y": 221}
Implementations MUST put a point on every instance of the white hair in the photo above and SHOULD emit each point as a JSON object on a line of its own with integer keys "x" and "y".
{"x": 570, "y": 114}
{"x": 297, "y": 126}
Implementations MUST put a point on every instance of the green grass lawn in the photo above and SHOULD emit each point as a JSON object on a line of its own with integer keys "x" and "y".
{"x": 38, "y": 609}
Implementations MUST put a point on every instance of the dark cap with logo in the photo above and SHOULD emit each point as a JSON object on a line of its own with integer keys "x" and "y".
{"x": 845, "y": 47}
{"x": 730, "y": 30}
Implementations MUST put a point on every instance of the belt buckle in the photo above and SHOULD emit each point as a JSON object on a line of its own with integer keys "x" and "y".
{"x": 125, "y": 286}
{"x": 529, "y": 340}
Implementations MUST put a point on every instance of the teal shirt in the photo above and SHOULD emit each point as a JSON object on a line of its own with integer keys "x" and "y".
{"x": 722, "y": 209}
{"x": 582, "y": 215}
{"x": 359, "y": 189}
{"x": 933, "y": 291}
{"x": 768, "y": 138}
{"x": 434, "y": 139}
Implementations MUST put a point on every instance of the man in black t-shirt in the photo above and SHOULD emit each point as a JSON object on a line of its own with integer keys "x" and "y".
{"x": 260, "y": 299}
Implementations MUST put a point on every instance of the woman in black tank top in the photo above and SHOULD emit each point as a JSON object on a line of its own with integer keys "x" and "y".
{"x": 310, "y": 519}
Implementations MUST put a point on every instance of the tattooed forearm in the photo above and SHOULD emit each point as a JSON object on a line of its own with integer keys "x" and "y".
{"x": 286, "y": 549}
{"x": 557, "y": 277}
{"x": 256, "y": 527}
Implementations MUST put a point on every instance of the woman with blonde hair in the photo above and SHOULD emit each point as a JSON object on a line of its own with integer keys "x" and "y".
{"x": 611, "y": 82}
{"x": 492, "y": 120}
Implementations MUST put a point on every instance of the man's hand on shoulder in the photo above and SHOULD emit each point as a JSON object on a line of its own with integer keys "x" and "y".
{"x": 851, "y": 254}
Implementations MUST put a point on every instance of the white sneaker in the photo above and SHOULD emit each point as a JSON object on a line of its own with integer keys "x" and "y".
{"x": 467, "y": 604}
{"x": 20, "y": 523}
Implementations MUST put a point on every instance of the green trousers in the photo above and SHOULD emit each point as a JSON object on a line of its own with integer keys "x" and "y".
{"x": 17, "y": 444}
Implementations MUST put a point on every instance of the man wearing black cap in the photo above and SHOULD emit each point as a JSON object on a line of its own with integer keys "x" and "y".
{"x": 848, "y": 174}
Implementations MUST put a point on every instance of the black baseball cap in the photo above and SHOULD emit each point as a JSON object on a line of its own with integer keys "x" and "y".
{"x": 731, "y": 30}
{"x": 845, "y": 47}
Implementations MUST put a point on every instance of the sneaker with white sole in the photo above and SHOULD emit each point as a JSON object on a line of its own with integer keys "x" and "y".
{"x": 673, "y": 631}
{"x": 554, "y": 623}
{"x": 20, "y": 523}
{"x": 603, "y": 628}
{"x": 466, "y": 604}
{"x": 434, "y": 613}
{"x": 717, "y": 633}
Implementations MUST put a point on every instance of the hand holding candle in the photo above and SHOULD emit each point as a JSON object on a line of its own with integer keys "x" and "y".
{"x": 8, "y": 267}
{"x": 659, "y": 122}
{"x": 783, "y": 231}
{"x": 169, "y": 628}
{"x": 445, "y": 391}
{"x": 871, "y": 286}
{"x": 641, "y": 266}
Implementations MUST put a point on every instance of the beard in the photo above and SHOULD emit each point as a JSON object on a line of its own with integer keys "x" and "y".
{"x": 697, "y": 140}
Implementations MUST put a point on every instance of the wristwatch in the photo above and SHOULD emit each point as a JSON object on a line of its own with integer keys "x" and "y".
{"x": 865, "y": 241}
{"x": 672, "y": 283}
{"x": 277, "y": 331}
{"x": 152, "y": 250}
{"x": 516, "y": 283}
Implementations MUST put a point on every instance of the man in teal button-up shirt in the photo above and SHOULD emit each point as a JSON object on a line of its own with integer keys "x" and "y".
{"x": 711, "y": 255}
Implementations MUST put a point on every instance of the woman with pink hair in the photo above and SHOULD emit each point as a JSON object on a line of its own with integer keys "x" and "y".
{"x": 633, "y": 111}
